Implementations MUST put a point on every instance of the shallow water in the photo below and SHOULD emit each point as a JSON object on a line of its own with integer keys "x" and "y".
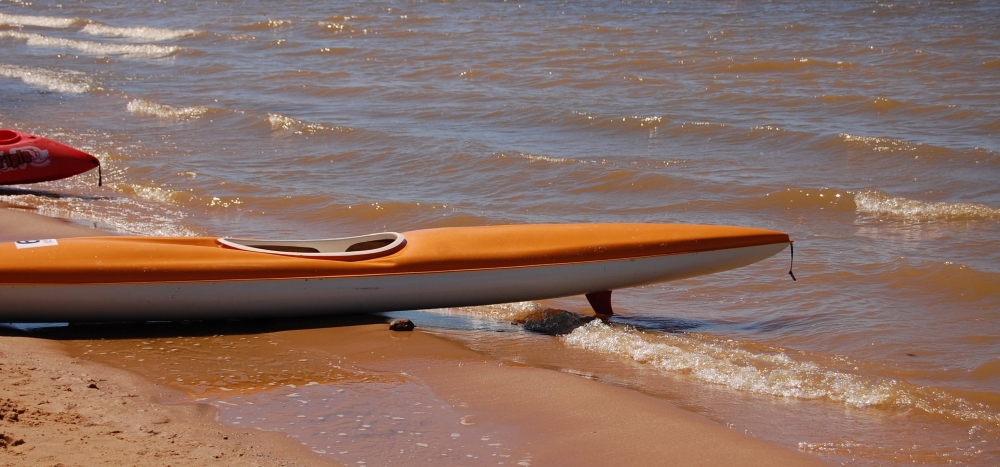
{"x": 866, "y": 130}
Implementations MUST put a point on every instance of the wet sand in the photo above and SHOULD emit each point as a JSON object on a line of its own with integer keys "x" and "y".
{"x": 85, "y": 393}
{"x": 19, "y": 222}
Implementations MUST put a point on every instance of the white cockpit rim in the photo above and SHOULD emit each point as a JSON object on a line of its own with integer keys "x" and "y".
{"x": 367, "y": 246}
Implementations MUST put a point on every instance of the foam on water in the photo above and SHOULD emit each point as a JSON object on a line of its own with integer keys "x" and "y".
{"x": 165, "y": 196}
{"x": 144, "y": 33}
{"x": 125, "y": 215}
{"x": 163, "y": 111}
{"x": 93, "y": 48}
{"x": 772, "y": 371}
{"x": 284, "y": 123}
{"x": 53, "y": 22}
{"x": 502, "y": 311}
{"x": 157, "y": 194}
{"x": 877, "y": 203}
{"x": 59, "y": 81}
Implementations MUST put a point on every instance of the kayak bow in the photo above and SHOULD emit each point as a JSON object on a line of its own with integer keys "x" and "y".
{"x": 26, "y": 158}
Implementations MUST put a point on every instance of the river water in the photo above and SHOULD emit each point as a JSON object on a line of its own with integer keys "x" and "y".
{"x": 866, "y": 130}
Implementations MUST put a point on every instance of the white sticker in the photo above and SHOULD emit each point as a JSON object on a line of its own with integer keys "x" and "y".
{"x": 36, "y": 243}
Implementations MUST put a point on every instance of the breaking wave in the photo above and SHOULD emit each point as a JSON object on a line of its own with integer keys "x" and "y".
{"x": 137, "y": 32}
{"x": 773, "y": 372}
{"x": 59, "y": 81}
{"x": 515, "y": 311}
{"x": 280, "y": 122}
{"x": 163, "y": 111}
{"x": 877, "y": 203}
{"x": 93, "y": 48}
{"x": 53, "y": 22}
{"x": 96, "y": 29}
{"x": 741, "y": 366}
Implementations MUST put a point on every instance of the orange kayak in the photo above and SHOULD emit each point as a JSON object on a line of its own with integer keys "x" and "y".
{"x": 156, "y": 278}
{"x": 26, "y": 158}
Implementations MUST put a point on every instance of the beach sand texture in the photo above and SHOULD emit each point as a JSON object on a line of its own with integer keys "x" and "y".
{"x": 57, "y": 410}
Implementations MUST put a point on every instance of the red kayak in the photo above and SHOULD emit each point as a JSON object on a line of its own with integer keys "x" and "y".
{"x": 26, "y": 158}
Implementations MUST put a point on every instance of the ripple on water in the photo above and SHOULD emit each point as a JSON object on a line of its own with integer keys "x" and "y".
{"x": 373, "y": 424}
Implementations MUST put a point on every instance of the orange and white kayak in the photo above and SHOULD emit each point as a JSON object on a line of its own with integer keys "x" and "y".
{"x": 27, "y": 158}
{"x": 149, "y": 278}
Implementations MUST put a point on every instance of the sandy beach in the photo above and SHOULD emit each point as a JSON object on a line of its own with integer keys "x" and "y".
{"x": 63, "y": 403}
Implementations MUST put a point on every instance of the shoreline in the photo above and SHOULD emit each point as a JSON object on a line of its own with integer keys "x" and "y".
{"x": 549, "y": 416}
{"x": 18, "y": 222}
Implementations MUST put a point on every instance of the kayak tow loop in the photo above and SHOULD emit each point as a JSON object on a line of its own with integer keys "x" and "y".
{"x": 791, "y": 260}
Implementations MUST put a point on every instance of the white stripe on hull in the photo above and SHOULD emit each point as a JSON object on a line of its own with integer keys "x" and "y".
{"x": 366, "y": 294}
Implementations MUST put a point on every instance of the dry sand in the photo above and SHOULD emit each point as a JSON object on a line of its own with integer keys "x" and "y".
{"x": 63, "y": 405}
{"x": 58, "y": 410}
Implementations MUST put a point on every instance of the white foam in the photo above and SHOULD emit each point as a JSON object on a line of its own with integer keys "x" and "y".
{"x": 37, "y": 21}
{"x": 163, "y": 111}
{"x": 155, "y": 194}
{"x": 728, "y": 363}
{"x": 60, "y": 81}
{"x": 502, "y": 311}
{"x": 281, "y": 122}
{"x": 93, "y": 48}
{"x": 877, "y": 203}
{"x": 137, "y": 32}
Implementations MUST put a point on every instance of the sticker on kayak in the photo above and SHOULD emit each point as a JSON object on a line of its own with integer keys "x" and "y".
{"x": 36, "y": 243}
{"x": 20, "y": 158}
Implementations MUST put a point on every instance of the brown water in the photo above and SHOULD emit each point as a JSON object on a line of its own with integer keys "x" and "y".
{"x": 868, "y": 131}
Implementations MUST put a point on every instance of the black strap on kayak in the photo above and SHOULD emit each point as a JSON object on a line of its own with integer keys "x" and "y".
{"x": 791, "y": 247}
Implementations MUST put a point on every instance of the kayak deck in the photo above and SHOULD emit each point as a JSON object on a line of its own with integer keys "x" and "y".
{"x": 93, "y": 260}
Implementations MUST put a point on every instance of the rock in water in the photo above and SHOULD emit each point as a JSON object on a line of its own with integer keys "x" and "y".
{"x": 553, "y": 321}
{"x": 401, "y": 325}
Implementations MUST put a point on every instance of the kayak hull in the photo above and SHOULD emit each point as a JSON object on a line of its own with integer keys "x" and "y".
{"x": 361, "y": 294}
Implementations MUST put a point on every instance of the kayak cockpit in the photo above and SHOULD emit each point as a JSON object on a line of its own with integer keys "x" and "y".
{"x": 360, "y": 247}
